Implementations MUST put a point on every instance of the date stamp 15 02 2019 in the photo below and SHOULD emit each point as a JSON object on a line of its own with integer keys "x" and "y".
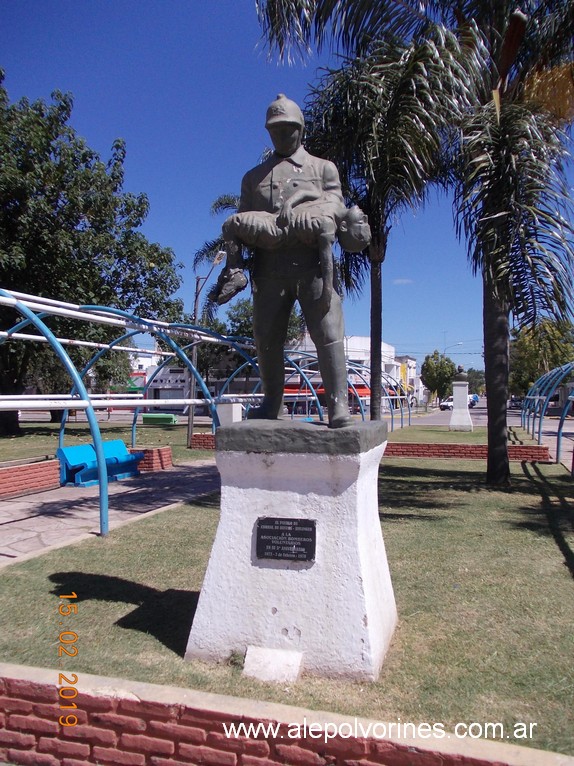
{"x": 66, "y": 647}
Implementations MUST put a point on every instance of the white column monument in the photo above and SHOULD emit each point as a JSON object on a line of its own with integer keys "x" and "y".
{"x": 298, "y": 578}
{"x": 460, "y": 419}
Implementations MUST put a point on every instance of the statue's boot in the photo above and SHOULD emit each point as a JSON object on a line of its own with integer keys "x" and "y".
{"x": 272, "y": 371}
{"x": 230, "y": 282}
{"x": 333, "y": 368}
{"x": 267, "y": 410}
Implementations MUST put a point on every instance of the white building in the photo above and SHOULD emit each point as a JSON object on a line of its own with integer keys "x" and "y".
{"x": 357, "y": 351}
{"x": 402, "y": 369}
{"x": 172, "y": 382}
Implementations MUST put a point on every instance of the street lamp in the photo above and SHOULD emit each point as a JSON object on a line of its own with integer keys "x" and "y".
{"x": 452, "y": 346}
{"x": 200, "y": 283}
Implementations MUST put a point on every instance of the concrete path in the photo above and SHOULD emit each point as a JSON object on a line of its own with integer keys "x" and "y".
{"x": 31, "y": 524}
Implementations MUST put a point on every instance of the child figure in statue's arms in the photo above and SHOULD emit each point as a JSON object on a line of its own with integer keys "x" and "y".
{"x": 311, "y": 223}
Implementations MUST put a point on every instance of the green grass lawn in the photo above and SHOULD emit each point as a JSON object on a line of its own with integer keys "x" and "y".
{"x": 484, "y": 583}
{"x": 40, "y": 439}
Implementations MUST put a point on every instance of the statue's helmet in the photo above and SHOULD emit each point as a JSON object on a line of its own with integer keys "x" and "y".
{"x": 284, "y": 110}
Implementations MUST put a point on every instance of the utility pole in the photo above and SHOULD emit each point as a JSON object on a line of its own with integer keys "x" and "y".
{"x": 199, "y": 285}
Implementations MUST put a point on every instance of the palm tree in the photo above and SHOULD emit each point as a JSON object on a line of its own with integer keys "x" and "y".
{"x": 508, "y": 162}
{"x": 380, "y": 118}
{"x": 510, "y": 192}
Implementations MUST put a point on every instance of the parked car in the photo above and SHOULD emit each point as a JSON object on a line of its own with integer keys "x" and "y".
{"x": 448, "y": 403}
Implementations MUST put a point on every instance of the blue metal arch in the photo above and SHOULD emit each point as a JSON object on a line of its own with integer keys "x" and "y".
{"x": 538, "y": 397}
{"x": 537, "y": 401}
{"x": 162, "y": 331}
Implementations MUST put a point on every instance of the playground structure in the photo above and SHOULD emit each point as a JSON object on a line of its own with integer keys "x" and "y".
{"x": 178, "y": 340}
{"x": 541, "y": 396}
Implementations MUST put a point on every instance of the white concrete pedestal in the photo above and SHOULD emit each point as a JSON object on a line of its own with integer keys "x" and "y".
{"x": 229, "y": 412}
{"x": 338, "y": 610}
{"x": 460, "y": 419}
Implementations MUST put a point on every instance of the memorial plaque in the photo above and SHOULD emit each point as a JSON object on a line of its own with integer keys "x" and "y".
{"x": 292, "y": 539}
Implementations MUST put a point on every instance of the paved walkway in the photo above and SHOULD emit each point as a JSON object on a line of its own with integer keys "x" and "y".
{"x": 33, "y": 523}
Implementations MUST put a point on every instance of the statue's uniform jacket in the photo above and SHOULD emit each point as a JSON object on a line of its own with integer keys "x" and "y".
{"x": 291, "y": 271}
{"x": 267, "y": 186}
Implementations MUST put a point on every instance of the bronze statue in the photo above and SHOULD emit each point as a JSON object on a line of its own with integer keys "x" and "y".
{"x": 290, "y": 212}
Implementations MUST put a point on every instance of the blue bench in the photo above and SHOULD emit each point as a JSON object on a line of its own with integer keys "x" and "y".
{"x": 79, "y": 465}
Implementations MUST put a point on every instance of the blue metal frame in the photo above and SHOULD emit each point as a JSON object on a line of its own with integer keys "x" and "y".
{"x": 79, "y": 385}
{"x": 143, "y": 326}
{"x": 537, "y": 401}
{"x": 97, "y": 356}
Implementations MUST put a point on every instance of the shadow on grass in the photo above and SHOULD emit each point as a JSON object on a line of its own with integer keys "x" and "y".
{"x": 415, "y": 486}
{"x": 422, "y": 488}
{"x": 555, "y": 516}
{"x": 72, "y": 429}
{"x": 166, "y": 615}
{"x": 411, "y": 517}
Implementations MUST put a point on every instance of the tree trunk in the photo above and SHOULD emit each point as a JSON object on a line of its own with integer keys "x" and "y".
{"x": 496, "y": 367}
{"x": 9, "y": 425}
{"x": 377, "y": 252}
{"x": 376, "y": 339}
{"x": 12, "y": 373}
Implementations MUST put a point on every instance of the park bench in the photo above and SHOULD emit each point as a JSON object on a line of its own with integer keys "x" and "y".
{"x": 159, "y": 418}
{"x": 79, "y": 465}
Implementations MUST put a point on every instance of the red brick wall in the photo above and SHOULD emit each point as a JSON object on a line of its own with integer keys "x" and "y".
{"x": 532, "y": 452}
{"x": 34, "y": 477}
{"x": 155, "y": 458}
{"x": 135, "y": 724}
{"x": 459, "y": 451}
{"x": 203, "y": 441}
{"x": 18, "y": 480}
{"x": 23, "y": 479}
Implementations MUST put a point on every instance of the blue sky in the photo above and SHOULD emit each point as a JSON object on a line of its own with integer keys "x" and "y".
{"x": 186, "y": 83}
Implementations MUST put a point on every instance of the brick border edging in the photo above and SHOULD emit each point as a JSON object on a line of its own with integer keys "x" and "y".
{"x": 527, "y": 452}
{"x": 142, "y": 724}
{"x": 24, "y": 479}
{"x": 530, "y": 453}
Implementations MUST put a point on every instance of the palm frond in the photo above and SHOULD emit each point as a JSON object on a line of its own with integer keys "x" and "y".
{"x": 208, "y": 312}
{"x": 225, "y": 203}
{"x": 353, "y": 270}
{"x": 514, "y": 209}
{"x": 383, "y": 118}
{"x": 290, "y": 26}
{"x": 207, "y": 252}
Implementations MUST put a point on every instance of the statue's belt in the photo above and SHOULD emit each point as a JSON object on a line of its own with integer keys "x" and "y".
{"x": 275, "y": 263}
